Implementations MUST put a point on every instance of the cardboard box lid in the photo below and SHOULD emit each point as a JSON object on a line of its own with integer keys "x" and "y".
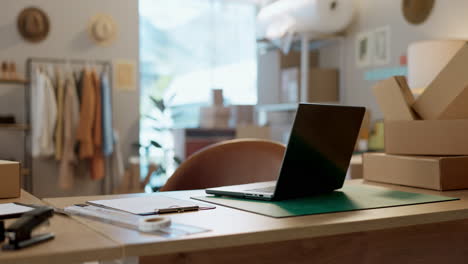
{"x": 446, "y": 96}
{"x": 395, "y": 98}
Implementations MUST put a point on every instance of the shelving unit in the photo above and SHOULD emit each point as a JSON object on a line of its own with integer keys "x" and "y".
{"x": 8, "y": 81}
{"x": 22, "y": 128}
{"x": 303, "y": 42}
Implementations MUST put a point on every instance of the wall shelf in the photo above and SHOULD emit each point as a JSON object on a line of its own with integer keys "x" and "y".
{"x": 316, "y": 41}
{"x": 4, "y": 81}
{"x": 21, "y": 127}
{"x": 276, "y": 107}
{"x": 285, "y": 106}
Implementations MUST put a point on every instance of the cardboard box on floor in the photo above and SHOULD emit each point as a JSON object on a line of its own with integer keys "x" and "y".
{"x": 430, "y": 172}
{"x": 427, "y": 137}
{"x": 447, "y": 96}
{"x": 10, "y": 179}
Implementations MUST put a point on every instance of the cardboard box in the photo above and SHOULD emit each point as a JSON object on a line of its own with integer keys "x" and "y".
{"x": 293, "y": 59}
{"x": 10, "y": 178}
{"x": 364, "y": 131}
{"x": 427, "y": 137}
{"x": 323, "y": 85}
{"x": 447, "y": 96}
{"x": 215, "y": 117}
{"x": 252, "y": 131}
{"x": 217, "y": 98}
{"x": 431, "y": 172}
{"x": 242, "y": 115}
{"x": 395, "y": 98}
{"x": 355, "y": 167}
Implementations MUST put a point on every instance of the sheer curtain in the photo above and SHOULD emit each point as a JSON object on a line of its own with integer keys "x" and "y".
{"x": 188, "y": 47}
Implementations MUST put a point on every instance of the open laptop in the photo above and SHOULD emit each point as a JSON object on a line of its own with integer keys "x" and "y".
{"x": 317, "y": 156}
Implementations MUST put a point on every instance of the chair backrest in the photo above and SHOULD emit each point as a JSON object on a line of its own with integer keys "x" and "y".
{"x": 231, "y": 162}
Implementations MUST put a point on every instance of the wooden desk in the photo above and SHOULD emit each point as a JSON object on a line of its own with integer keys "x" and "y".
{"x": 427, "y": 233}
{"x": 73, "y": 243}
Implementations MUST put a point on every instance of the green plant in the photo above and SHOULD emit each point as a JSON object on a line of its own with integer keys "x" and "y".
{"x": 160, "y": 149}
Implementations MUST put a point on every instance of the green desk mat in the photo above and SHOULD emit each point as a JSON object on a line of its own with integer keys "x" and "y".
{"x": 349, "y": 198}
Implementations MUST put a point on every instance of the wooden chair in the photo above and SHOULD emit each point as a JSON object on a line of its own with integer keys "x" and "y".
{"x": 231, "y": 162}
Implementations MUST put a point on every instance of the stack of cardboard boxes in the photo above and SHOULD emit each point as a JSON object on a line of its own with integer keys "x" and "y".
{"x": 426, "y": 139}
{"x": 323, "y": 82}
{"x": 216, "y": 115}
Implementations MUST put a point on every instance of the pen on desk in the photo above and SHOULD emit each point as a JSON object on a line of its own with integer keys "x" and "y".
{"x": 176, "y": 209}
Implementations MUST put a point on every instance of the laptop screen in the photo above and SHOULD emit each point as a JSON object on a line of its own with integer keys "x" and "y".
{"x": 319, "y": 151}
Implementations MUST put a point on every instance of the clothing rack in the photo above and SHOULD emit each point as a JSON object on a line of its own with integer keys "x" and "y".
{"x": 28, "y": 184}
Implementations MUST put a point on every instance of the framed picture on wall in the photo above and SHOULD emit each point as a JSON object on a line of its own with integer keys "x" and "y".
{"x": 381, "y": 42}
{"x": 363, "y": 48}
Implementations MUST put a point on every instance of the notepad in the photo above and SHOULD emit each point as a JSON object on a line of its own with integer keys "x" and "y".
{"x": 13, "y": 210}
{"x": 155, "y": 204}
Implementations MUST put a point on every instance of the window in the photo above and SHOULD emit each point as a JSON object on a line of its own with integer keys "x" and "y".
{"x": 187, "y": 48}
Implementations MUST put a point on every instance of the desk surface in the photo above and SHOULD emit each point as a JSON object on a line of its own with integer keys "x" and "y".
{"x": 231, "y": 227}
{"x": 74, "y": 242}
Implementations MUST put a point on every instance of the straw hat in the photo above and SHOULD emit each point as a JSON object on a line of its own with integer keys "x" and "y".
{"x": 417, "y": 11}
{"x": 102, "y": 29}
{"x": 33, "y": 24}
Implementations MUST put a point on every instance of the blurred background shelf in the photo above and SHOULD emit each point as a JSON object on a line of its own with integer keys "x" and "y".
{"x": 21, "y": 127}
{"x": 3, "y": 81}
{"x": 276, "y": 107}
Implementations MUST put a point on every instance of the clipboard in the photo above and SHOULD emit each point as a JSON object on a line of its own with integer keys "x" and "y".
{"x": 152, "y": 204}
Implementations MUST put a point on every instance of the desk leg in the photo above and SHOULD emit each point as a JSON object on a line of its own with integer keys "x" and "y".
{"x": 445, "y": 242}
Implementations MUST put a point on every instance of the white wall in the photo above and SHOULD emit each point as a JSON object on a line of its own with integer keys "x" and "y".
{"x": 68, "y": 39}
{"x": 448, "y": 21}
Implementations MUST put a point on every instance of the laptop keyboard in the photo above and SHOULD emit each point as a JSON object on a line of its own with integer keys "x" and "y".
{"x": 269, "y": 189}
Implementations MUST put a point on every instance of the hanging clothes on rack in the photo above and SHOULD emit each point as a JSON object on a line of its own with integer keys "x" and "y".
{"x": 117, "y": 169}
{"x": 87, "y": 116}
{"x": 107, "y": 129}
{"x": 71, "y": 118}
{"x": 43, "y": 114}
{"x": 97, "y": 160}
{"x": 59, "y": 87}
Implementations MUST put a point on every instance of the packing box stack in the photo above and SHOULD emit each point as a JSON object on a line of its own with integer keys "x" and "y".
{"x": 426, "y": 139}
{"x": 10, "y": 179}
{"x": 216, "y": 115}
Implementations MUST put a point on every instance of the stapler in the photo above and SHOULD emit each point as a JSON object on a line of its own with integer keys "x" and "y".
{"x": 19, "y": 234}
{"x": 2, "y": 231}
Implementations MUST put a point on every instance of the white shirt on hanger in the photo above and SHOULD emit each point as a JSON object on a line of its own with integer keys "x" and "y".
{"x": 43, "y": 114}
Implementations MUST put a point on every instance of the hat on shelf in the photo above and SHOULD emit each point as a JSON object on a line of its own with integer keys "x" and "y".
{"x": 102, "y": 29}
{"x": 33, "y": 24}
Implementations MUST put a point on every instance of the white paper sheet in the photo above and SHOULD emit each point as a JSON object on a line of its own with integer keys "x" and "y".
{"x": 12, "y": 208}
